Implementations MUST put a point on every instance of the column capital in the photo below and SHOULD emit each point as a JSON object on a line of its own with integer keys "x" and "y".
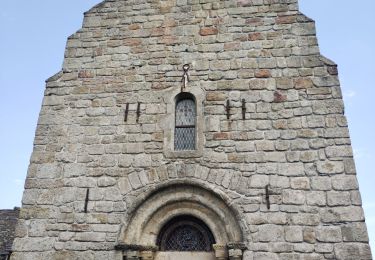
{"x": 147, "y": 255}
{"x": 237, "y": 245}
{"x": 235, "y": 250}
{"x": 221, "y": 252}
{"x": 235, "y": 254}
{"x": 132, "y": 255}
{"x": 136, "y": 252}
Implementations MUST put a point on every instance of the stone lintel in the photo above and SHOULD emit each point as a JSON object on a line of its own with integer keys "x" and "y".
{"x": 139, "y": 248}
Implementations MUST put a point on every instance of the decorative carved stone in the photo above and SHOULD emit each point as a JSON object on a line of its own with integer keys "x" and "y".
{"x": 155, "y": 212}
{"x": 235, "y": 254}
{"x": 147, "y": 255}
{"x": 132, "y": 255}
{"x": 237, "y": 245}
{"x": 235, "y": 250}
{"x": 133, "y": 252}
{"x": 220, "y": 251}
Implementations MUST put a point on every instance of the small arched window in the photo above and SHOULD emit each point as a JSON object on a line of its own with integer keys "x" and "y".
{"x": 184, "y": 134}
{"x": 185, "y": 233}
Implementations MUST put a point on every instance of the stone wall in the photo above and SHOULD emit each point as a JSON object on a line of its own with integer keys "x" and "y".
{"x": 8, "y": 221}
{"x": 286, "y": 168}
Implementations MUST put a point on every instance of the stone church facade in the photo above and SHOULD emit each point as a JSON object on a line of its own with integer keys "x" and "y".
{"x": 193, "y": 129}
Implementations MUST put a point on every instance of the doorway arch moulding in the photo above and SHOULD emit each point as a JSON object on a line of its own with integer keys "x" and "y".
{"x": 148, "y": 216}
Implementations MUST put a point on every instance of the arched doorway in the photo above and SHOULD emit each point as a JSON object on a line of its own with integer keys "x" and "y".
{"x": 182, "y": 222}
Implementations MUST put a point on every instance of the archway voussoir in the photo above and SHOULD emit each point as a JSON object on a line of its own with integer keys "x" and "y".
{"x": 159, "y": 203}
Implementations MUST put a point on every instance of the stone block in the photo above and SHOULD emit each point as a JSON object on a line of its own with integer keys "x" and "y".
{"x": 49, "y": 171}
{"x": 339, "y": 151}
{"x": 142, "y": 160}
{"x": 342, "y": 214}
{"x": 345, "y": 182}
{"x": 90, "y": 237}
{"x": 316, "y": 198}
{"x": 294, "y": 197}
{"x": 291, "y": 169}
{"x": 34, "y": 245}
{"x": 349, "y": 251}
{"x": 300, "y": 183}
{"x": 308, "y": 156}
{"x": 259, "y": 181}
{"x": 275, "y": 157}
{"x": 134, "y": 180}
{"x": 321, "y": 183}
{"x": 107, "y": 161}
{"x": 279, "y": 181}
{"x": 106, "y": 182}
{"x": 270, "y": 233}
{"x": 335, "y": 198}
{"x": 293, "y": 234}
{"x": 305, "y": 219}
{"x": 265, "y": 256}
{"x": 208, "y": 31}
{"x": 330, "y": 167}
{"x": 328, "y": 234}
{"x": 354, "y": 232}
{"x": 309, "y": 235}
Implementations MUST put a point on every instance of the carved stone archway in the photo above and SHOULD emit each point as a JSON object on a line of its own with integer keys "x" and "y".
{"x": 139, "y": 237}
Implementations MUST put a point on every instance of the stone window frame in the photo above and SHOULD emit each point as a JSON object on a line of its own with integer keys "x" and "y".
{"x": 180, "y": 99}
{"x": 168, "y": 124}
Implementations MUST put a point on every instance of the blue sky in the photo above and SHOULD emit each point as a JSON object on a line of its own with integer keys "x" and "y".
{"x": 33, "y": 36}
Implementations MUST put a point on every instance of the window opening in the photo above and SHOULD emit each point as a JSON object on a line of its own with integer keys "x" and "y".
{"x": 186, "y": 233}
{"x": 185, "y": 124}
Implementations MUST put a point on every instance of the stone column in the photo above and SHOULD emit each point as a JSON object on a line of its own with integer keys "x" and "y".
{"x": 235, "y": 250}
{"x": 132, "y": 255}
{"x": 220, "y": 252}
{"x": 235, "y": 254}
{"x": 147, "y": 255}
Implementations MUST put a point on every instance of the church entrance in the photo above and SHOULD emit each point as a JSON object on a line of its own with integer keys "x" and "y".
{"x": 182, "y": 221}
{"x": 185, "y": 238}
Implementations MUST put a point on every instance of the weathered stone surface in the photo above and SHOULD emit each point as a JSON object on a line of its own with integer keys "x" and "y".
{"x": 335, "y": 198}
{"x": 329, "y": 234}
{"x": 354, "y": 232}
{"x": 208, "y": 31}
{"x": 294, "y": 197}
{"x": 341, "y": 214}
{"x": 8, "y": 221}
{"x": 330, "y": 167}
{"x": 293, "y": 234}
{"x": 348, "y": 251}
{"x": 268, "y": 233}
{"x": 269, "y": 117}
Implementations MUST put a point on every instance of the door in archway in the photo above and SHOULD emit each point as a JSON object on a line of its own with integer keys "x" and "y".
{"x": 185, "y": 238}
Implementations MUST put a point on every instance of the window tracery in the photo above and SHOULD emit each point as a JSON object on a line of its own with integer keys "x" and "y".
{"x": 186, "y": 234}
